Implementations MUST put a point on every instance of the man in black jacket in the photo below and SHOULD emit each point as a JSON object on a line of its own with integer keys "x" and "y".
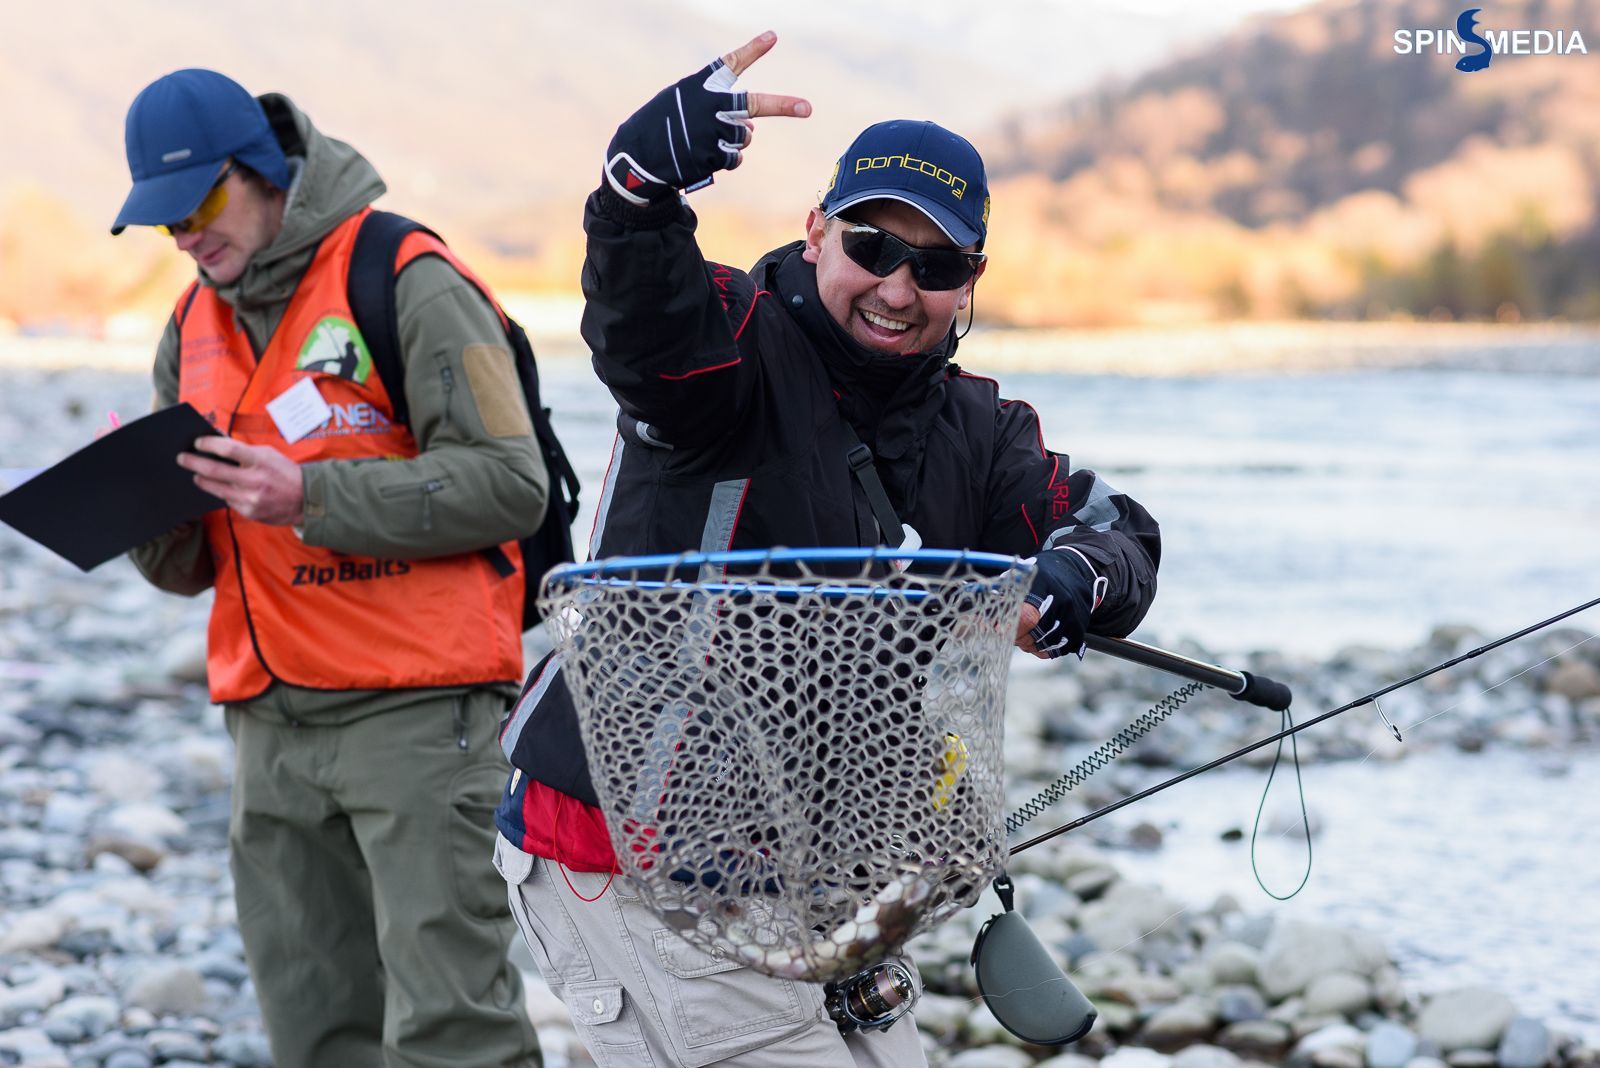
{"x": 740, "y": 396}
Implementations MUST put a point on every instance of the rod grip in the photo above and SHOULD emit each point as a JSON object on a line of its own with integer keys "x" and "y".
{"x": 1268, "y": 693}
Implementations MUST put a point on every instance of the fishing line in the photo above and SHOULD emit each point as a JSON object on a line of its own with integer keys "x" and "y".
{"x": 1291, "y": 731}
{"x": 1305, "y": 818}
{"x": 1125, "y": 739}
{"x": 1410, "y": 727}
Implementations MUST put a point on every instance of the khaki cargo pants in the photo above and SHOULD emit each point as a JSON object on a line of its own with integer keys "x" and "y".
{"x": 375, "y": 928}
{"x": 642, "y": 996}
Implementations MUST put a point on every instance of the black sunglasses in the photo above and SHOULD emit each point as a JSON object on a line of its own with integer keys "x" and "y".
{"x": 933, "y": 269}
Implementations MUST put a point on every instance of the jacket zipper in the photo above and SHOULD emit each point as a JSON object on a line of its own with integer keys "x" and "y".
{"x": 427, "y": 489}
{"x": 448, "y": 377}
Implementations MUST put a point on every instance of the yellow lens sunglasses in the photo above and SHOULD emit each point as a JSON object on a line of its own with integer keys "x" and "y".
{"x": 207, "y": 212}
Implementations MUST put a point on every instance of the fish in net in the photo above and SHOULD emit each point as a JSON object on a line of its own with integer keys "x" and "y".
{"x": 797, "y": 752}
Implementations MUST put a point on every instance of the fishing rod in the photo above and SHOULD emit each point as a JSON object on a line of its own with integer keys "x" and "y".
{"x": 1239, "y": 684}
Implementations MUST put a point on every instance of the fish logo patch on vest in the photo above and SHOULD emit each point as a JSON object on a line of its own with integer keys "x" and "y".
{"x": 335, "y": 347}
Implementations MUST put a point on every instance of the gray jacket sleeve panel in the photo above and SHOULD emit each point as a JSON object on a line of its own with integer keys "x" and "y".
{"x": 478, "y": 479}
{"x": 179, "y": 561}
{"x": 1040, "y": 503}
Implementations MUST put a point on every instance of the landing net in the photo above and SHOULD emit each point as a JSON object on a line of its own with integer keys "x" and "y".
{"x": 798, "y": 752}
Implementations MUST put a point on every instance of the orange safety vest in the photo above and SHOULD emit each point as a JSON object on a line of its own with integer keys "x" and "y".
{"x": 290, "y": 612}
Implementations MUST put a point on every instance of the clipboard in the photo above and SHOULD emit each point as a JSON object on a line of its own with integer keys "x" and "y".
{"x": 115, "y": 493}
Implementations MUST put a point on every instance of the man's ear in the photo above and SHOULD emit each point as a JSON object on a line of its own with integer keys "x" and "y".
{"x": 816, "y": 227}
{"x": 966, "y": 290}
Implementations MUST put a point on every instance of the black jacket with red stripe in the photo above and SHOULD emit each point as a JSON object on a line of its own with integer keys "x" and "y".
{"x": 733, "y": 434}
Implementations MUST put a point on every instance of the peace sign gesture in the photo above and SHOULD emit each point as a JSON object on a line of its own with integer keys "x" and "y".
{"x": 694, "y": 128}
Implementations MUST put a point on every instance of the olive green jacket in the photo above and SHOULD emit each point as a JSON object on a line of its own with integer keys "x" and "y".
{"x": 493, "y": 485}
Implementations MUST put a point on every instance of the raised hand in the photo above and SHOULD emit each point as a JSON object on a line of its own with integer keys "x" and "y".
{"x": 693, "y": 128}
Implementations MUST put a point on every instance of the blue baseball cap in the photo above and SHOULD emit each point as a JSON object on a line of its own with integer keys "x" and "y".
{"x": 180, "y": 128}
{"x": 922, "y": 164}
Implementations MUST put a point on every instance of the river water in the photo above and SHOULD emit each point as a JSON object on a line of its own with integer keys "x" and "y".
{"x": 1305, "y": 512}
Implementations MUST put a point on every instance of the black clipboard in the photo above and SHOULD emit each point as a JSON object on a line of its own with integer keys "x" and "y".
{"x": 115, "y": 493}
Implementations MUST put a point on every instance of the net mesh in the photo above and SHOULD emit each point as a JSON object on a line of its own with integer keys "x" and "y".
{"x": 799, "y": 762}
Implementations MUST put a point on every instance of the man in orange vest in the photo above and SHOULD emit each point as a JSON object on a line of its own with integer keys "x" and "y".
{"x": 363, "y": 642}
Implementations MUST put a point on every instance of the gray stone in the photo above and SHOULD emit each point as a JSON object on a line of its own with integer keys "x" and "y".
{"x": 64, "y": 1032}
{"x": 1390, "y": 1045}
{"x": 128, "y": 1058}
{"x": 938, "y": 1014}
{"x": 174, "y": 1045}
{"x": 1073, "y": 1060}
{"x": 1142, "y": 990}
{"x": 1177, "y": 1026}
{"x": 1338, "y": 993}
{"x": 991, "y": 1057}
{"x": 1423, "y": 1061}
{"x": 30, "y": 1047}
{"x": 1337, "y": 1057}
{"x": 168, "y": 988}
{"x": 1575, "y": 680}
{"x": 29, "y": 997}
{"x": 984, "y": 1030}
{"x": 1261, "y": 1039}
{"x": 32, "y": 930}
{"x": 183, "y": 658}
{"x": 1126, "y": 913}
{"x": 1237, "y": 1002}
{"x": 1470, "y": 1058}
{"x": 1527, "y": 1043}
{"x": 1193, "y": 977}
{"x": 1297, "y": 954}
{"x": 229, "y": 969}
{"x": 1234, "y": 962}
{"x": 1388, "y": 990}
{"x": 92, "y": 1015}
{"x": 1118, "y": 1018}
{"x": 1301, "y": 1026}
{"x": 1339, "y": 1036}
{"x": 1204, "y": 1056}
{"x": 1136, "y": 1057}
{"x": 1253, "y": 931}
{"x": 1473, "y": 1018}
{"x": 1092, "y": 882}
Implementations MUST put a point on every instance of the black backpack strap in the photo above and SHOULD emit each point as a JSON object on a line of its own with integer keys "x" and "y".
{"x": 182, "y": 314}
{"x": 865, "y": 468}
{"x": 370, "y": 290}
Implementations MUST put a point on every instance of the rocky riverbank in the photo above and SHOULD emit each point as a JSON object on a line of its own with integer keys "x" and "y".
{"x": 118, "y": 947}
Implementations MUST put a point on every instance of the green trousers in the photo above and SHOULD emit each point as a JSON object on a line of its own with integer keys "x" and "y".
{"x": 373, "y": 921}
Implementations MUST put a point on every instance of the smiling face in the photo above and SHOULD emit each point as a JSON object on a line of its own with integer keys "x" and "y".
{"x": 888, "y": 315}
{"x": 249, "y": 223}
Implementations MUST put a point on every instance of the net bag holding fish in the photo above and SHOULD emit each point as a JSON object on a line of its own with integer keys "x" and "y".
{"x": 797, "y": 752}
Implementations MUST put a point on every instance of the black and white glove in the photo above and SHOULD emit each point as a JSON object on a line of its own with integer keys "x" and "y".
{"x": 1066, "y": 591}
{"x": 684, "y": 135}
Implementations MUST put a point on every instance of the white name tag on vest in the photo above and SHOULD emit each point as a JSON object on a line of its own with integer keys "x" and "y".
{"x": 299, "y": 410}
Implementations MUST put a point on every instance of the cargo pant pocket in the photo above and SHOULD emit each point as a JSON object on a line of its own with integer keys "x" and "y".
{"x": 474, "y": 793}
{"x": 545, "y": 926}
{"x": 608, "y": 1024}
{"x": 720, "y": 1008}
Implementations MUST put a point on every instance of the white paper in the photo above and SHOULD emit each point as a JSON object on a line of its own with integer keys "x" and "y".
{"x": 299, "y": 410}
